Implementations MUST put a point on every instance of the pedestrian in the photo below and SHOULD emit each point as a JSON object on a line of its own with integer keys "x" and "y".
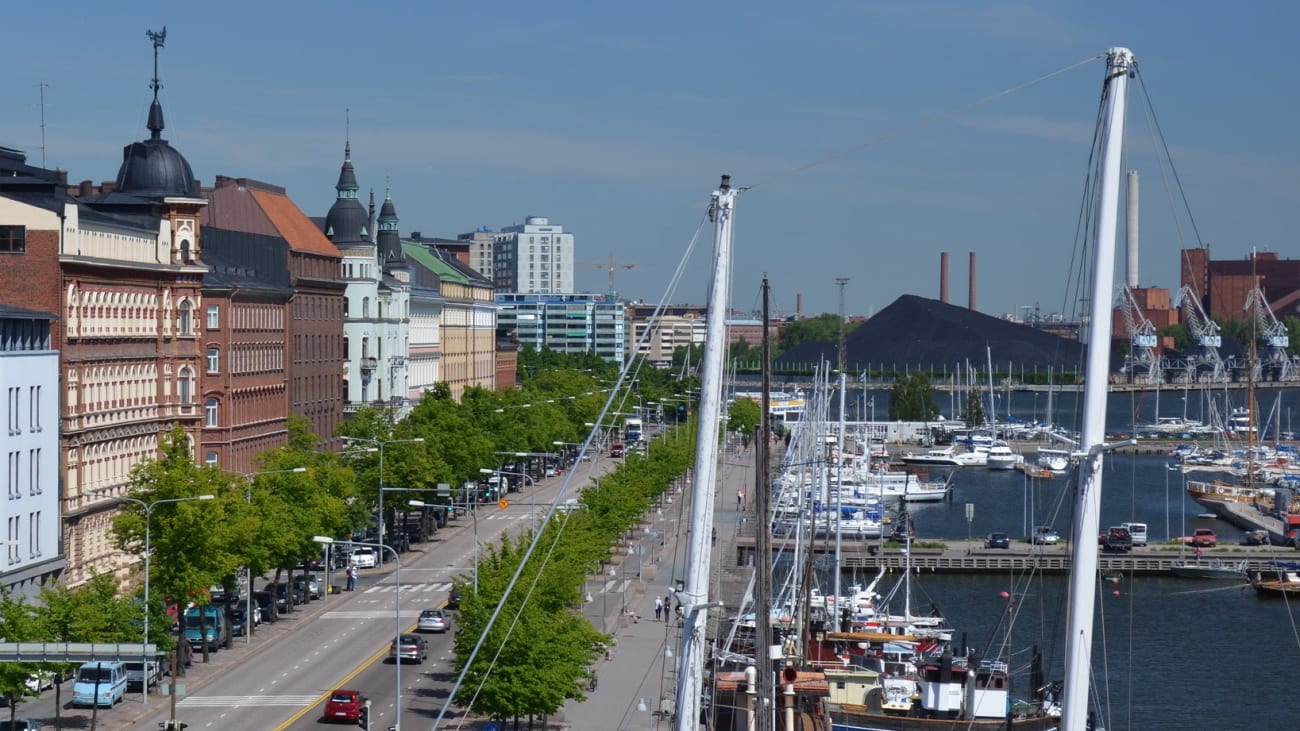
{"x": 1198, "y": 553}
{"x": 352, "y": 578}
{"x": 659, "y": 609}
{"x": 666, "y": 600}
{"x": 715, "y": 536}
{"x": 680, "y": 615}
{"x": 740, "y": 499}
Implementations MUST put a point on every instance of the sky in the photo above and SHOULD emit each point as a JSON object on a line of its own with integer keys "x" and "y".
{"x": 875, "y": 134}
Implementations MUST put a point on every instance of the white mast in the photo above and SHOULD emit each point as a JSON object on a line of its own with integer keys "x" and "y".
{"x": 694, "y": 596}
{"x": 1083, "y": 578}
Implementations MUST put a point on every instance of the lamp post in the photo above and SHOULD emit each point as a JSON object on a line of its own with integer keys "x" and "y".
{"x": 380, "y": 444}
{"x": 148, "y": 517}
{"x": 248, "y": 498}
{"x": 397, "y": 610}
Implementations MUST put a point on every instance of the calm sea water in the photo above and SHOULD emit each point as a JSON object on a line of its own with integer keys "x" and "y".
{"x": 1170, "y": 653}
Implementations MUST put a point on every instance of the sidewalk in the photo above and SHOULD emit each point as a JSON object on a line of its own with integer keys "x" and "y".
{"x": 639, "y": 672}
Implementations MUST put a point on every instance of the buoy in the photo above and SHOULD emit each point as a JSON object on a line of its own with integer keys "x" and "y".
{"x": 1116, "y": 592}
{"x": 1005, "y": 595}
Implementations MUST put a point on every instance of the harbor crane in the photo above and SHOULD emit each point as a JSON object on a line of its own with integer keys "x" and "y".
{"x": 1144, "y": 365}
{"x": 1273, "y": 336}
{"x": 610, "y": 267}
{"x": 1206, "y": 366}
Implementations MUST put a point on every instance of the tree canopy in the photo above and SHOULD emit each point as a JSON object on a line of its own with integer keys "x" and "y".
{"x": 912, "y": 399}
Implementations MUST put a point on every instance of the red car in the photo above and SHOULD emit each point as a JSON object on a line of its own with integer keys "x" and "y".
{"x": 1204, "y": 538}
{"x": 346, "y": 705}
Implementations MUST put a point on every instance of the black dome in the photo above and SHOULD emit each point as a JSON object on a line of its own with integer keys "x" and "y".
{"x": 347, "y": 222}
{"x": 153, "y": 168}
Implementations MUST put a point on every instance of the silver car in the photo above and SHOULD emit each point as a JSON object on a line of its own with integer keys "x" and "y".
{"x": 434, "y": 620}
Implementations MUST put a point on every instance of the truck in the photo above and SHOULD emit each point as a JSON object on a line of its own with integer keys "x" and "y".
{"x": 1117, "y": 539}
{"x": 633, "y": 429}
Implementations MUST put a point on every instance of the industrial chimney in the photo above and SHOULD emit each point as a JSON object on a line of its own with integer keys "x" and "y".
{"x": 971, "y": 303}
{"x": 798, "y": 306}
{"x": 943, "y": 277}
{"x": 1131, "y": 277}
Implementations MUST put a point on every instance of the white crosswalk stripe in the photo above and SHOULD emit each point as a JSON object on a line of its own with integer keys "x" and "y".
{"x": 370, "y": 614}
{"x": 409, "y": 588}
{"x": 236, "y": 701}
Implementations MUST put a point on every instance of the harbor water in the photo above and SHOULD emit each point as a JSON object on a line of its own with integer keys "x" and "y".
{"x": 1170, "y": 653}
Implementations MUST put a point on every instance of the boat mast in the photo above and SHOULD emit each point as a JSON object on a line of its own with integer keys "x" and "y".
{"x": 763, "y": 535}
{"x": 1083, "y": 578}
{"x": 693, "y": 597}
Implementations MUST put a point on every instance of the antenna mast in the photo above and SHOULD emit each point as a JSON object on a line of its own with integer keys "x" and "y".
{"x": 159, "y": 39}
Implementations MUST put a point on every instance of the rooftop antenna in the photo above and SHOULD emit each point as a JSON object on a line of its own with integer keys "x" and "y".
{"x": 159, "y": 39}
{"x": 42, "y": 86}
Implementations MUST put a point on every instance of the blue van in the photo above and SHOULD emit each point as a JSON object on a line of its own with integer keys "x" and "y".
{"x": 213, "y": 630}
{"x": 99, "y": 683}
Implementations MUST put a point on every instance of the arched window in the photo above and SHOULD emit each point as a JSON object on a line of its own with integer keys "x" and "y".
{"x": 210, "y": 411}
{"x": 186, "y": 258}
{"x": 214, "y": 360}
{"x": 185, "y": 386}
{"x": 183, "y": 315}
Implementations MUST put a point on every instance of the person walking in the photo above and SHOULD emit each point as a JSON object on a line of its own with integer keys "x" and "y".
{"x": 740, "y": 499}
{"x": 659, "y": 609}
{"x": 665, "y": 607}
{"x": 352, "y": 578}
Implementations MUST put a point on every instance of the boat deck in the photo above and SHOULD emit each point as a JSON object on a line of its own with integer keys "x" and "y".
{"x": 971, "y": 557}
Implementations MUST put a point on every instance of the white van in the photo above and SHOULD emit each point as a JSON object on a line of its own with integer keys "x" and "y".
{"x": 100, "y": 683}
{"x": 1138, "y": 531}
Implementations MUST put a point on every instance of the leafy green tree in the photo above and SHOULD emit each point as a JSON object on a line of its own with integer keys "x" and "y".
{"x": 912, "y": 399}
{"x": 743, "y": 416}
{"x": 820, "y": 329}
{"x": 18, "y": 623}
{"x": 974, "y": 414}
{"x": 1181, "y": 335}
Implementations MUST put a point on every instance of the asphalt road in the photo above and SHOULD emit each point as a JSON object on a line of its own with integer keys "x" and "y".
{"x": 280, "y": 680}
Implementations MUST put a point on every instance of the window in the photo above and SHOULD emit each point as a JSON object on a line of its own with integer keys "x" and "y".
{"x": 214, "y": 317}
{"x": 13, "y": 239}
{"x": 210, "y": 458}
{"x": 34, "y": 406}
{"x": 183, "y": 317}
{"x": 185, "y": 386}
{"x": 210, "y": 412}
{"x": 365, "y": 307}
{"x": 185, "y": 252}
{"x": 34, "y": 473}
{"x": 214, "y": 360}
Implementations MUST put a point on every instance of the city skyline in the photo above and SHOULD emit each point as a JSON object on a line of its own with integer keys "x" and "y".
{"x": 617, "y": 122}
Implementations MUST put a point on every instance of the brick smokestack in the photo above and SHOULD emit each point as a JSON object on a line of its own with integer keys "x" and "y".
{"x": 971, "y": 303}
{"x": 943, "y": 277}
{"x": 798, "y": 305}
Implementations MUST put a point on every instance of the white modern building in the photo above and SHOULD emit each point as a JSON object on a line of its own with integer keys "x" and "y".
{"x": 535, "y": 258}
{"x": 29, "y": 370}
{"x": 565, "y": 323}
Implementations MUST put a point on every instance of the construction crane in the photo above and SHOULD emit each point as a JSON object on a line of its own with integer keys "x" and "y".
{"x": 1206, "y": 333}
{"x": 1273, "y": 336}
{"x": 610, "y": 267}
{"x": 1144, "y": 365}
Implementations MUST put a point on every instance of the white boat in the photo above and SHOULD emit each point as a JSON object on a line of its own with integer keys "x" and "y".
{"x": 927, "y": 491}
{"x": 1001, "y": 457}
{"x": 1056, "y": 460}
{"x": 1216, "y": 569}
{"x": 937, "y": 457}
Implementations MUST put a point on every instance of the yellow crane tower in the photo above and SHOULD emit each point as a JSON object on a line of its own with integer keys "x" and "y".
{"x": 611, "y": 267}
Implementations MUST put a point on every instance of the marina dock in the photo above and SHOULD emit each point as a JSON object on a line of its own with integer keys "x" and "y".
{"x": 971, "y": 557}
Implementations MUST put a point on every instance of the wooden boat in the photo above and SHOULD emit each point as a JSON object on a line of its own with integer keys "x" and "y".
{"x": 1214, "y": 569}
{"x": 1285, "y": 582}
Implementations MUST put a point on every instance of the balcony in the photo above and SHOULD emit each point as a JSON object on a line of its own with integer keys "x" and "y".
{"x": 368, "y": 365}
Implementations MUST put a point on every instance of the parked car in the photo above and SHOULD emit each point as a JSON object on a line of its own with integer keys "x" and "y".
{"x": 1044, "y": 535}
{"x": 238, "y": 622}
{"x": 398, "y": 541}
{"x": 434, "y": 620}
{"x": 285, "y": 594}
{"x": 997, "y": 540}
{"x": 20, "y": 724}
{"x": 616, "y": 449}
{"x": 266, "y": 604}
{"x": 1116, "y": 539}
{"x": 308, "y": 586}
{"x": 1138, "y": 531}
{"x": 1204, "y": 538}
{"x": 408, "y": 647}
{"x": 346, "y": 705}
{"x": 140, "y": 673}
{"x": 364, "y": 558}
{"x": 41, "y": 680}
{"x": 453, "y": 598}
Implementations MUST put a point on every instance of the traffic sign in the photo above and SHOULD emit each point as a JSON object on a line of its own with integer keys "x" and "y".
{"x": 503, "y": 503}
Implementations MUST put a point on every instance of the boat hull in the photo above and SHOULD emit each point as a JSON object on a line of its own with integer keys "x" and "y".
{"x": 1211, "y": 570}
{"x": 850, "y": 718}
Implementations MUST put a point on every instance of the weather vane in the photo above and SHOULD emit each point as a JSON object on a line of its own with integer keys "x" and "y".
{"x": 159, "y": 39}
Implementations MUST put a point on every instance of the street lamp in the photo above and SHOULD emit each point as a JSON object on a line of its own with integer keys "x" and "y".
{"x": 248, "y": 497}
{"x": 380, "y": 444}
{"x": 397, "y": 609}
{"x": 148, "y": 517}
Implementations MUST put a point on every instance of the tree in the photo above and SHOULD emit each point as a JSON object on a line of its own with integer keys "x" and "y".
{"x": 744, "y": 416}
{"x": 912, "y": 399}
{"x": 823, "y": 328}
{"x": 18, "y": 623}
{"x": 974, "y": 414}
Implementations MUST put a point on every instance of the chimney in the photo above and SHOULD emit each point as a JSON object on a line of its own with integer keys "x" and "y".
{"x": 971, "y": 303}
{"x": 798, "y": 306}
{"x": 86, "y": 189}
{"x": 943, "y": 277}
{"x": 1131, "y": 277}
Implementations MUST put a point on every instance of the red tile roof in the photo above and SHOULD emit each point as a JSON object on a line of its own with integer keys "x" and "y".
{"x": 293, "y": 224}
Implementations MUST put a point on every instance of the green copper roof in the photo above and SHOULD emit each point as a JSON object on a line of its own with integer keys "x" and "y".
{"x": 431, "y": 261}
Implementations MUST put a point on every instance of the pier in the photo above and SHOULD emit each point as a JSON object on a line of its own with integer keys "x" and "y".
{"x": 971, "y": 557}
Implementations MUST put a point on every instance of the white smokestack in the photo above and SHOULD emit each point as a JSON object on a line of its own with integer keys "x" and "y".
{"x": 1131, "y": 277}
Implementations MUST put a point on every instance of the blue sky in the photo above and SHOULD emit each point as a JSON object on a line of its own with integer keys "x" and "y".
{"x": 615, "y": 120}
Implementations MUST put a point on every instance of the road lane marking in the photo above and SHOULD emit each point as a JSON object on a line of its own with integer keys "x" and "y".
{"x": 236, "y": 701}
